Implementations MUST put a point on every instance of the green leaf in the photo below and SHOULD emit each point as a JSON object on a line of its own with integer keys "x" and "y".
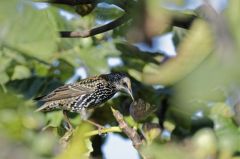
{"x": 20, "y": 72}
{"x": 89, "y": 146}
{"x": 188, "y": 57}
{"x": 28, "y": 31}
{"x": 172, "y": 151}
{"x": 77, "y": 147}
{"x": 5, "y": 62}
{"x": 233, "y": 14}
{"x": 86, "y": 55}
{"x": 44, "y": 143}
{"x": 4, "y": 78}
{"x": 107, "y": 12}
{"x": 226, "y": 130}
{"x": 205, "y": 143}
{"x": 40, "y": 68}
{"x": 54, "y": 118}
{"x": 6, "y": 10}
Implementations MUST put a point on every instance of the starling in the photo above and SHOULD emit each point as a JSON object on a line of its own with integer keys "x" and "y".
{"x": 85, "y": 94}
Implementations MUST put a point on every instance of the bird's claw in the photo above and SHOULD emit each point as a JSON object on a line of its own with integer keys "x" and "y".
{"x": 68, "y": 126}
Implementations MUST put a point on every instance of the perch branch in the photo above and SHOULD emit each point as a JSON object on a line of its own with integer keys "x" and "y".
{"x": 103, "y": 131}
{"x": 130, "y": 132}
{"x": 109, "y": 26}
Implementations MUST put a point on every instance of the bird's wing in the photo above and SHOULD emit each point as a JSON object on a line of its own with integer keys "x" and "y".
{"x": 66, "y": 91}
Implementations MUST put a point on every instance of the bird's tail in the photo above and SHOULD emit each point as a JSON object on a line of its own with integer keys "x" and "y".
{"x": 40, "y": 98}
{"x": 42, "y": 108}
{"x": 46, "y": 107}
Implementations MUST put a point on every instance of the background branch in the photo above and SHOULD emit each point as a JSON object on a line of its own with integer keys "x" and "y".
{"x": 109, "y": 26}
{"x": 67, "y": 2}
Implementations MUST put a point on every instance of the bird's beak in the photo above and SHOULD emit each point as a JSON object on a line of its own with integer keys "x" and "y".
{"x": 129, "y": 91}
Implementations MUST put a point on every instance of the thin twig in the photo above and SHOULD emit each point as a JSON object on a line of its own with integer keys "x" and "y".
{"x": 109, "y": 26}
{"x": 103, "y": 131}
{"x": 130, "y": 132}
{"x": 67, "y": 2}
{"x": 82, "y": 2}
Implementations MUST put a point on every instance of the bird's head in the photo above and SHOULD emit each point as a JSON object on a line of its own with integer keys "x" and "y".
{"x": 123, "y": 83}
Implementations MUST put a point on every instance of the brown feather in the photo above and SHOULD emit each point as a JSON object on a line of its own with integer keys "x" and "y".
{"x": 43, "y": 107}
{"x": 66, "y": 91}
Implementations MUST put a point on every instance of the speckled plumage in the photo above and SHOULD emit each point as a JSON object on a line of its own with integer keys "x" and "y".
{"x": 87, "y": 93}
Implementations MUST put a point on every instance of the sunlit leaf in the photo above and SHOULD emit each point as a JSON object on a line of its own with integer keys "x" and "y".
{"x": 227, "y": 132}
{"x": 172, "y": 151}
{"x": 20, "y": 72}
{"x": 105, "y": 12}
{"x": 187, "y": 59}
{"x": 54, "y": 119}
{"x": 233, "y": 16}
{"x": 205, "y": 143}
{"x": 44, "y": 143}
{"x": 28, "y": 30}
{"x": 5, "y": 62}
{"x": 89, "y": 146}
{"x": 4, "y": 78}
{"x": 77, "y": 147}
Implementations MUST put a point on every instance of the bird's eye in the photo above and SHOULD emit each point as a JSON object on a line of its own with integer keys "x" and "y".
{"x": 125, "y": 84}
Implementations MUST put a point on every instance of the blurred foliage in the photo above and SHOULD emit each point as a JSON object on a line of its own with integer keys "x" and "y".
{"x": 192, "y": 97}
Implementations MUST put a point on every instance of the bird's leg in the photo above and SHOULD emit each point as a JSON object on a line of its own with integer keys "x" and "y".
{"x": 68, "y": 125}
{"x": 85, "y": 114}
{"x": 95, "y": 124}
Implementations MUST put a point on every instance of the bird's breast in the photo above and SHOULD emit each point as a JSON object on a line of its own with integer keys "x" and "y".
{"x": 98, "y": 97}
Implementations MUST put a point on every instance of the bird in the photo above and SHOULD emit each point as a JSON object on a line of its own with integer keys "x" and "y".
{"x": 85, "y": 94}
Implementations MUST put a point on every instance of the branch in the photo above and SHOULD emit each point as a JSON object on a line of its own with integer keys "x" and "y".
{"x": 183, "y": 21}
{"x": 103, "y": 131}
{"x": 67, "y": 2}
{"x": 120, "y": 4}
{"x": 130, "y": 132}
{"x": 87, "y": 33}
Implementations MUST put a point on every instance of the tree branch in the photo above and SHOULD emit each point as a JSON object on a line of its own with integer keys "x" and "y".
{"x": 67, "y": 2}
{"x": 111, "y": 25}
{"x": 130, "y": 132}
